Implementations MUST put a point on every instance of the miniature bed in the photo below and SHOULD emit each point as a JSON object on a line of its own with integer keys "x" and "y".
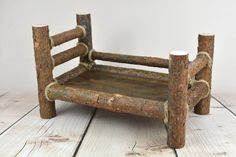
{"x": 152, "y": 94}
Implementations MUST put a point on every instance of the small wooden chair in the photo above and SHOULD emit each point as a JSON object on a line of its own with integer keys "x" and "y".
{"x": 152, "y": 94}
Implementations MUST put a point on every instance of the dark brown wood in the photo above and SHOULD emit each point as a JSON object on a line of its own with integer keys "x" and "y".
{"x": 121, "y": 84}
{"x": 140, "y": 60}
{"x": 73, "y": 73}
{"x": 108, "y": 101}
{"x": 43, "y": 68}
{"x": 67, "y": 36}
{"x": 177, "y": 102}
{"x": 64, "y": 56}
{"x": 197, "y": 64}
{"x": 206, "y": 44}
{"x": 134, "y": 73}
{"x": 196, "y": 93}
{"x": 85, "y": 21}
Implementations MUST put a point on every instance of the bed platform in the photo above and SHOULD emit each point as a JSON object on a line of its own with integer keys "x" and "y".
{"x": 152, "y": 94}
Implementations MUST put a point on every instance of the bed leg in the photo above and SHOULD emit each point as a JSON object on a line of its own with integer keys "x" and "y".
{"x": 44, "y": 69}
{"x": 177, "y": 101}
{"x": 206, "y": 44}
{"x": 85, "y": 20}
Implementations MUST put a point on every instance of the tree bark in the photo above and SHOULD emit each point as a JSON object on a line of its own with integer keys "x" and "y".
{"x": 43, "y": 68}
{"x": 64, "y": 56}
{"x": 121, "y": 58}
{"x": 85, "y": 20}
{"x": 67, "y": 36}
{"x": 112, "y": 102}
{"x": 206, "y": 44}
{"x": 177, "y": 102}
{"x": 197, "y": 65}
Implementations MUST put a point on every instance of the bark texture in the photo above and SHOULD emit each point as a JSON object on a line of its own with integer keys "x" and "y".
{"x": 64, "y": 56}
{"x": 140, "y": 60}
{"x": 112, "y": 102}
{"x": 206, "y": 44}
{"x": 73, "y": 73}
{"x": 177, "y": 102}
{"x": 196, "y": 93}
{"x": 85, "y": 20}
{"x": 67, "y": 36}
{"x": 43, "y": 68}
{"x": 134, "y": 73}
{"x": 197, "y": 65}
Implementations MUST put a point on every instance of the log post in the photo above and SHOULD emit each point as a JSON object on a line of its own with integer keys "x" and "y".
{"x": 85, "y": 20}
{"x": 177, "y": 101}
{"x": 206, "y": 44}
{"x": 44, "y": 69}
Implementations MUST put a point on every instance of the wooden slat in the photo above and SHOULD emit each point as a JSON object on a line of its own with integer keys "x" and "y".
{"x": 210, "y": 135}
{"x": 13, "y": 106}
{"x": 122, "y": 135}
{"x": 59, "y": 136}
{"x": 140, "y": 60}
{"x": 227, "y": 98}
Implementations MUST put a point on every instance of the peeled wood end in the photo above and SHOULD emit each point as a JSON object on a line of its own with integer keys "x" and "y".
{"x": 179, "y": 53}
{"x": 207, "y": 34}
{"x": 39, "y": 26}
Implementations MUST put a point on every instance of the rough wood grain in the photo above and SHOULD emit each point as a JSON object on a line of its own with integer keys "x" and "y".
{"x": 67, "y": 36}
{"x": 59, "y": 136}
{"x": 227, "y": 99}
{"x": 14, "y": 106}
{"x": 140, "y": 60}
{"x": 85, "y": 20}
{"x": 123, "y": 135}
{"x": 206, "y": 44}
{"x": 123, "y": 85}
{"x": 64, "y": 56}
{"x": 108, "y": 101}
{"x": 73, "y": 73}
{"x": 177, "y": 101}
{"x": 197, "y": 65}
{"x": 44, "y": 67}
{"x": 134, "y": 73}
{"x": 212, "y": 135}
{"x": 196, "y": 93}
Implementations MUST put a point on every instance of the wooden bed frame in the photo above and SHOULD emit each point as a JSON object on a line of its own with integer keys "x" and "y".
{"x": 152, "y": 94}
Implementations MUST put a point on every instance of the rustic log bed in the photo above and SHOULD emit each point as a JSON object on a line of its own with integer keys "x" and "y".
{"x": 152, "y": 94}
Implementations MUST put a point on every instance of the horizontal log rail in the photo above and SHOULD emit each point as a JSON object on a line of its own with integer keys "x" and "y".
{"x": 196, "y": 93}
{"x": 78, "y": 32}
{"x": 197, "y": 65}
{"x": 121, "y": 58}
{"x": 73, "y": 73}
{"x": 134, "y": 73}
{"x": 112, "y": 102}
{"x": 80, "y": 50}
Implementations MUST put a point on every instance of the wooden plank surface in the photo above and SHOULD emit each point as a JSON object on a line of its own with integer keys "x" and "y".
{"x": 116, "y": 135}
{"x": 33, "y": 136}
{"x": 228, "y": 99}
{"x": 14, "y": 106}
{"x": 212, "y": 135}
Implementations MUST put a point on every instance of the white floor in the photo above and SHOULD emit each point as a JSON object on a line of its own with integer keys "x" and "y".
{"x": 79, "y": 131}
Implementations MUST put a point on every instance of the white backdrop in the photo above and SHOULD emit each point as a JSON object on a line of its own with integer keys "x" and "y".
{"x": 151, "y": 28}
